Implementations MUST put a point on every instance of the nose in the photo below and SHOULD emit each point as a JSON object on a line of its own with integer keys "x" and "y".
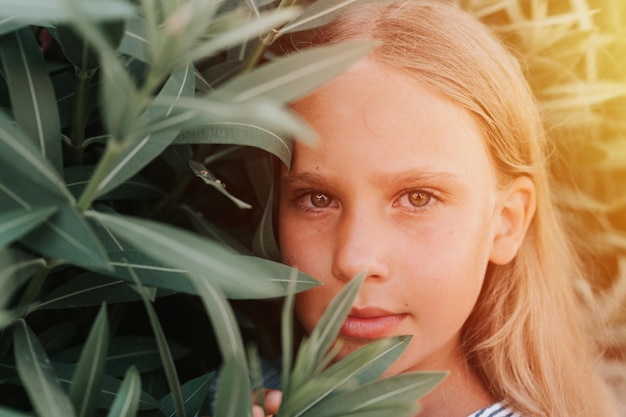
{"x": 361, "y": 244}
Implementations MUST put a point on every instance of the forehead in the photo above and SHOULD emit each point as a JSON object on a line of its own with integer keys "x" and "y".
{"x": 388, "y": 118}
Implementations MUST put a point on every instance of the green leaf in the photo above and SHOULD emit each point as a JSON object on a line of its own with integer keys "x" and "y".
{"x": 38, "y": 376}
{"x": 244, "y": 134}
{"x": 232, "y": 396}
{"x": 165, "y": 354}
{"x": 294, "y": 75}
{"x": 57, "y": 10}
{"x": 137, "y": 156}
{"x": 399, "y": 389}
{"x": 194, "y": 392}
{"x": 32, "y": 95}
{"x": 10, "y": 24}
{"x": 90, "y": 368}
{"x": 16, "y": 223}
{"x": 126, "y": 402}
{"x": 20, "y": 158}
{"x": 77, "y": 50}
{"x": 5, "y": 412}
{"x": 66, "y": 235}
{"x": 261, "y": 173}
{"x": 238, "y": 276}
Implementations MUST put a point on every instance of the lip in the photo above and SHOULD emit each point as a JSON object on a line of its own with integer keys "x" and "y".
{"x": 370, "y": 323}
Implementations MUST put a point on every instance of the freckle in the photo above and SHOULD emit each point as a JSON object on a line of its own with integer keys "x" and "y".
{"x": 317, "y": 168}
{"x": 406, "y": 304}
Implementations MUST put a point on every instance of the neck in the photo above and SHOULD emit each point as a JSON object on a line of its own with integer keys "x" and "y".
{"x": 459, "y": 395}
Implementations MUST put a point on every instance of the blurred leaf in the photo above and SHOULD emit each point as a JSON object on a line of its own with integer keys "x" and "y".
{"x": 19, "y": 157}
{"x": 90, "y": 368}
{"x": 581, "y": 94}
{"x": 134, "y": 42}
{"x": 33, "y": 101}
{"x": 208, "y": 178}
{"x": 77, "y": 50}
{"x": 88, "y": 290}
{"x": 194, "y": 394}
{"x": 16, "y": 223}
{"x": 318, "y": 14}
{"x": 165, "y": 354}
{"x": 38, "y": 376}
{"x": 10, "y": 24}
{"x": 216, "y": 74}
{"x": 15, "y": 269}
{"x": 137, "y": 156}
{"x": 57, "y": 10}
{"x": 238, "y": 276}
{"x": 142, "y": 352}
{"x": 126, "y": 402}
{"x": 294, "y": 75}
{"x": 264, "y": 242}
{"x": 243, "y": 134}
{"x": 5, "y": 412}
{"x": 232, "y": 396}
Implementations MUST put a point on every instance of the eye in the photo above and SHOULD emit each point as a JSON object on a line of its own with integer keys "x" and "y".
{"x": 419, "y": 198}
{"x": 319, "y": 200}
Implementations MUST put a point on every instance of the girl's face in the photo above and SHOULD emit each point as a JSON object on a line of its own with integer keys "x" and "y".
{"x": 400, "y": 185}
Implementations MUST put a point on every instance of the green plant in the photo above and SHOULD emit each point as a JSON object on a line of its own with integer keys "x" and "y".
{"x": 107, "y": 242}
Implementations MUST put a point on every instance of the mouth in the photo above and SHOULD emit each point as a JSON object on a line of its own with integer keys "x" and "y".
{"x": 370, "y": 323}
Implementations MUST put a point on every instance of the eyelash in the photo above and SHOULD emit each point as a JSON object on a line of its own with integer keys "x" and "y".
{"x": 303, "y": 199}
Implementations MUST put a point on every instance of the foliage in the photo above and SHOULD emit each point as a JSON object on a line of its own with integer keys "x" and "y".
{"x": 121, "y": 123}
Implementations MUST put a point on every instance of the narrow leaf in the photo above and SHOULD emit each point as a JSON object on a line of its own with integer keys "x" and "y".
{"x": 16, "y": 223}
{"x": 293, "y": 76}
{"x": 15, "y": 269}
{"x": 238, "y": 276}
{"x": 56, "y": 10}
{"x": 232, "y": 396}
{"x": 89, "y": 372}
{"x": 208, "y": 178}
{"x": 33, "y": 101}
{"x": 194, "y": 394}
{"x": 38, "y": 376}
{"x": 126, "y": 403}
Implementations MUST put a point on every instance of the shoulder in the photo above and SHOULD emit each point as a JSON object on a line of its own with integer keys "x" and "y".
{"x": 495, "y": 410}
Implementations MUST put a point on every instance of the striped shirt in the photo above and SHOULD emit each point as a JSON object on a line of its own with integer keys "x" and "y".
{"x": 495, "y": 410}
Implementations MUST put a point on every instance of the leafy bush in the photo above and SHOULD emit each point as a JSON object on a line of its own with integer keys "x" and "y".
{"x": 133, "y": 135}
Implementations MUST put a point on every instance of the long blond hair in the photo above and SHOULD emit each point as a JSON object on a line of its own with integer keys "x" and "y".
{"x": 527, "y": 336}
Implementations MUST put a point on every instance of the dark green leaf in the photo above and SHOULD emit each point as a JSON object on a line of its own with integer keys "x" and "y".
{"x": 134, "y": 42}
{"x": 5, "y": 412}
{"x": 66, "y": 235}
{"x": 238, "y": 276}
{"x": 165, "y": 354}
{"x": 212, "y": 231}
{"x": 32, "y": 96}
{"x": 38, "y": 376}
{"x": 78, "y": 52}
{"x": 126, "y": 402}
{"x": 137, "y": 156}
{"x": 262, "y": 176}
{"x": 136, "y": 188}
{"x": 194, "y": 394}
{"x": 15, "y": 269}
{"x": 16, "y": 223}
{"x": 125, "y": 351}
{"x": 89, "y": 372}
{"x": 89, "y": 290}
{"x": 20, "y": 158}
{"x": 10, "y": 24}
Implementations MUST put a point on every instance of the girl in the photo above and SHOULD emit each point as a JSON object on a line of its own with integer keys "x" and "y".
{"x": 430, "y": 174}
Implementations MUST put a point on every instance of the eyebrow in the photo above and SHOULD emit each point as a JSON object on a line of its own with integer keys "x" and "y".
{"x": 384, "y": 179}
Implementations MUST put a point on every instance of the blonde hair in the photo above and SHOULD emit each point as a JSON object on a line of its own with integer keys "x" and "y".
{"x": 526, "y": 337}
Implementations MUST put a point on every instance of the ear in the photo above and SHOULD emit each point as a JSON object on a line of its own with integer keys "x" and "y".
{"x": 515, "y": 211}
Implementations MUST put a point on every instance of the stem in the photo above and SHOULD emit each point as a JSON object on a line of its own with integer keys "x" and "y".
{"x": 267, "y": 40}
{"x": 111, "y": 153}
{"x": 77, "y": 134}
